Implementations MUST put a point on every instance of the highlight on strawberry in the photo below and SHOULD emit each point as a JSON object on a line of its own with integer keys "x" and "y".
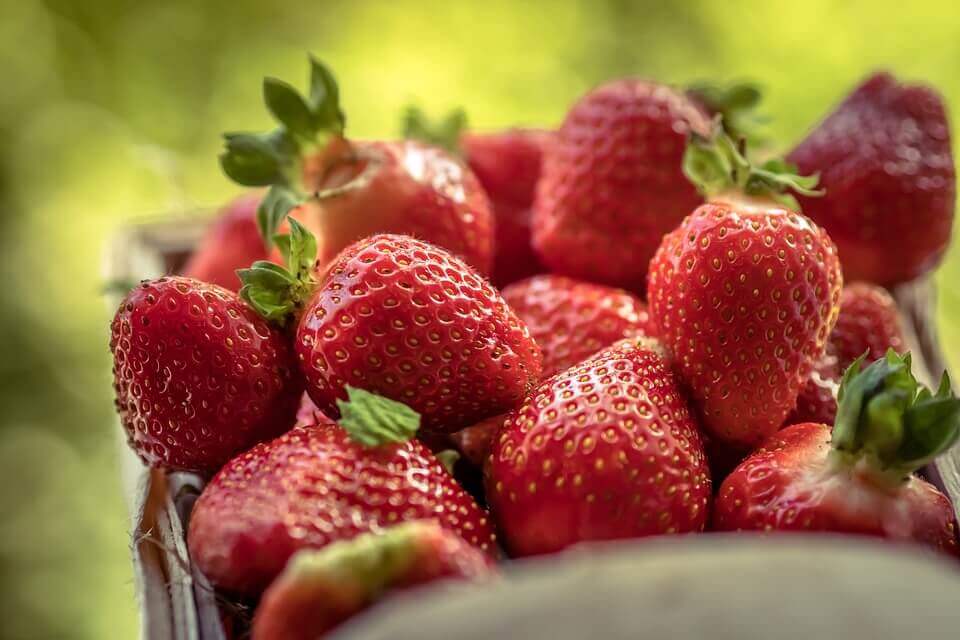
{"x": 859, "y": 478}
{"x": 344, "y": 190}
{"x": 744, "y": 292}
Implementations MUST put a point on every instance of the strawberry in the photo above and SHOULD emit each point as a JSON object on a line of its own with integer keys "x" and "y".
{"x": 744, "y": 293}
{"x": 817, "y": 400}
{"x": 319, "y": 590}
{"x": 605, "y": 450}
{"x": 231, "y": 242}
{"x": 343, "y": 190}
{"x": 402, "y": 318}
{"x": 320, "y": 484}
{"x": 572, "y": 320}
{"x": 198, "y": 375}
{"x": 884, "y": 157}
{"x": 859, "y": 480}
{"x": 474, "y": 442}
{"x": 869, "y": 322}
{"x": 507, "y": 163}
{"x": 612, "y": 183}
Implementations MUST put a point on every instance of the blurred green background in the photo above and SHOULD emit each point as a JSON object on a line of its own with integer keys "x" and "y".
{"x": 111, "y": 111}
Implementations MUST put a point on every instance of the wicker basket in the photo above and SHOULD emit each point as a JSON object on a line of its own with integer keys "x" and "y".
{"x": 177, "y": 603}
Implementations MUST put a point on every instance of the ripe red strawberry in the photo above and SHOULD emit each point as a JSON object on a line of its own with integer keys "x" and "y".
{"x": 319, "y": 590}
{"x": 198, "y": 375}
{"x": 232, "y": 242}
{"x": 744, "y": 294}
{"x": 320, "y": 484}
{"x": 817, "y": 400}
{"x": 404, "y": 319}
{"x": 869, "y": 322}
{"x": 572, "y": 320}
{"x": 604, "y": 450}
{"x": 343, "y": 191}
{"x": 507, "y": 163}
{"x": 884, "y": 157}
{"x": 474, "y": 442}
{"x": 861, "y": 480}
{"x": 612, "y": 183}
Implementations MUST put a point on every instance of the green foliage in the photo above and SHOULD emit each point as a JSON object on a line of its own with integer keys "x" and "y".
{"x": 277, "y": 292}
{"x": 373, "y": 420}
{"x": 444, "y": 132}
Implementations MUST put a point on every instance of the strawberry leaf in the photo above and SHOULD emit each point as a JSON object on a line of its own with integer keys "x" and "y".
{"x": 737, "y": 106}
{"x": 325, "y": 99}
{"x": 289, "y": 109}
{"x": 273, "y": 209}
{"x": 442, "y": 133}
{"x": 373, "y": 420}
{"x": 448, "y": 458}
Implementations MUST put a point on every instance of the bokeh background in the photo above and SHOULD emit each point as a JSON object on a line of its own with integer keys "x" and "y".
{"x": 110, "y": 111}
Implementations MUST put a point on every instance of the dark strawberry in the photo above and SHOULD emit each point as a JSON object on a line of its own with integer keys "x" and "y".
{"x": 474, "y": 442}
{"x": 869, "y": 322}
{"x": 604, "y": 450}
{"x": 198, "y": 375}
{"x": 744, "y": 293}
{"x": 319, "y": 590}
{"x": 507, "y": 163}
{"x": 885, "y": 161}
{"x": 859, "y": 480}
{"x": 321, "y": 484}
{"x": 572, "y": 320}
{"x": 612, "y": 183}
{"x": 343, "y": 191}
{"x": 404, "y": 319}
{"x": 231, "y": 242}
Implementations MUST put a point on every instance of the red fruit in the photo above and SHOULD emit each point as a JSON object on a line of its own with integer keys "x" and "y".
{"x": 319, "y": 484}
{"x": 612, "y": 183}
{"x": 884, "y": 158}
{"x": 198, "y": 375}
{"x": 859, "y": 480}
{"x": 344, "y": 191}
{"x": 474, "y": 442}
{"x": 231, "y": 242}
{"x": 407, "y": 320}
{"x": 817, "y": 400}
{"x": 507, "y": 163}
{"x": 572, "y": 320}
{"x": 744, "y": 294}
{"x": 869, "y": 322}
{"x": 319, "y": 590}
{"x": 604, "y": 450}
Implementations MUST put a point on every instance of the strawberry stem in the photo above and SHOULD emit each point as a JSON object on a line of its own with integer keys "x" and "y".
{"x": 373, "y": 420}
{"x": 717, "y": 164}
{"x": 277, "y": 292}
{"x": 888, "y": 418}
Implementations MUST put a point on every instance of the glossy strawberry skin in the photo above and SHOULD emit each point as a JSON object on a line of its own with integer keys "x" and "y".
{"x": 869, "y": 322}
{"x": 744, "y": 296}
{"x": 787, "y": 486}
{"x": 304, "y": 606}
{"x": 572, "y": 320}
{"x": 401, "y": 187}
{"x": 313, "y": 486}
{"x": 817, "y": 400}
{"x": 507, "y": 163}
{"x": 612, "y": 183}
{"x": 605, "y": 450}
{"x": 198, "y": 375}
{"x": 885, "y": 161}
{"x": 231, "y": 242}
{"x": 409, "y": 321}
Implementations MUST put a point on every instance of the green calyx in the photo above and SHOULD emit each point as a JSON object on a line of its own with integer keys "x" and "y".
{"x": 448, "y": 458}
{"x": 276, "y": 292}
{"x": 366, "y": 564}
{"x": 444, "y": 132}
{"x": 275, "y": 158}
{"x": 717, "y": 164}
{"x": 888, "y": 418}
{"x": 736, "y": 103}
{"x": 373, "y": 420}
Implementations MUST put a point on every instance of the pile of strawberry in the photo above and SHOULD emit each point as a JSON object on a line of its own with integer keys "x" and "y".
{"x": 665, "y": 344}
